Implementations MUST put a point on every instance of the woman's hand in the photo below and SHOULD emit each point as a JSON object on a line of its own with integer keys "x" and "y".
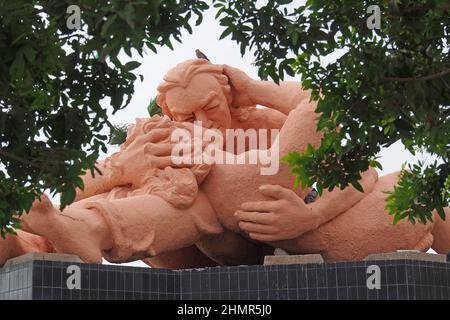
{"x": 151, "y": 150}
{"x": 286, "y": 217}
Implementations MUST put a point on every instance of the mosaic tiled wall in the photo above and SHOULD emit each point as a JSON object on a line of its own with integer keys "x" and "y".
{"x": 400, "y": 279}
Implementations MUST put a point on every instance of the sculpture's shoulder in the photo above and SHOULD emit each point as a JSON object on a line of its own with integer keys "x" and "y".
{"x": 259, "y": 118}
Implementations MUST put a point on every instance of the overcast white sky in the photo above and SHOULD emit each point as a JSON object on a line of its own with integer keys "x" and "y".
{"x": 206, "y": 38}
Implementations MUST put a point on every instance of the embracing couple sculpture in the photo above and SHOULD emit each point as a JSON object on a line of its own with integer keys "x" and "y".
{"x": 174, "y": 216}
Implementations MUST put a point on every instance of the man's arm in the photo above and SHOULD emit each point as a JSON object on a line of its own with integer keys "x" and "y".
{"x": 288, "y": 217}
{"x": 282, "y": 97}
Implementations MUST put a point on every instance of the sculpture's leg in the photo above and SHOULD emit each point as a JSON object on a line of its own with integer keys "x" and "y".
{"x": 366, "y": 228}
{"x": 122, "y": 230}
{"x": 15, "y": 245}
{"x": 82, "y": 232}
{"x": 441, "y": 233}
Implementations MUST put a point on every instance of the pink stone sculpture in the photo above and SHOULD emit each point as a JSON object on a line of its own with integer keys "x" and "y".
{"x": 143, "y": 206}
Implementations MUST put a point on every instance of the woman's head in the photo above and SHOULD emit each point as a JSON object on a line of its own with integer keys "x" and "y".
{"x": 196, "y": 90}
{"x": 177, "y": 185}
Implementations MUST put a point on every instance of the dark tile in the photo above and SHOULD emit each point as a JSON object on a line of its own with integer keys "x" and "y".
{"x": 76, "y": 294}
{"x": 292, "y": 278}
{"x": 234, "y": 295}
{"x": 282, "y": 278}
{"x": 177, "y": 282}
{"x": 196, "y": 296}
{"x": 382, "y": 293}
{"x": 84, "y": 294}
{"x": 84, "y": 279}
{"x": 191, "y": 282}
{"x": 401, "y": 274}
{"x": 391, "y": 275}
{"x": 273, "y": 294}
{"x": 121, "y": 295}
{"x": 137, "y": 296}
{"x": 311, "y": 276}
{"x": 215, "y": 282}
{"x": 292, "y": 294}
{"x": 252, "y": 295}
{"x": 102, "y": 280}
{"x": 154, "y": 296}
{"x": 302, "y": 294}
{"x": 313, "y": 293}
{"x": 243, "y": 280}
{"x": 215, "y": 295}
{"x": 111, "y": 279}
{"x": 263, "y": 294}
{"x": 342, "y": 293}
{"x": 37, "y": 293}
{"x": 301, "y": 277}
{"x": 332, "y": 293}
{"x": 411, "y": 292}
{"x": 331, "y": 277}
{"x": 253, "y": 280}
{"x": 93, "y": 279}
{"x": 362, "y": 293}
{"x": 352, "y": 293}
{"x": 341, "y": 277}
{"x": 170, "y": 282}
{"x": 66, "y": 294}
{"x": 321, "y": 277}
{"x": 153, "y": 282}
{"x": 46, "y": 293}
{"x": 351, "y": 276}
{"x": 323, "y": 294}
{"x": 224, "y": 282}
{"x": 262, "y": 280}
{"x": 144, "y": 296}
{"x": 403, "y": 292}
{"x": 47, "y": 276}
{"x": 145, "y": 282}
{"x": 37, "y": 277}
{"x": 234, "y": 281}
{"x": 162, "y": 282}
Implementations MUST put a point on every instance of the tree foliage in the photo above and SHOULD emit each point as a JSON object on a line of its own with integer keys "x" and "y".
{"x": 387, "y": 85}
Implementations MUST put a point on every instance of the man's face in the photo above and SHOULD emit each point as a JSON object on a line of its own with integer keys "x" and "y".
{"x": 202, "y": 100}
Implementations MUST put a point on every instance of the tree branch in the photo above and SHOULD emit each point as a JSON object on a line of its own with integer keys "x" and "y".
{"x": 429, "y": 77}
{"x": 19, "y": 159}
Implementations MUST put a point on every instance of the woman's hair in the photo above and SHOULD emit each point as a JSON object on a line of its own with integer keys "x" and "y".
{"x": 178, "y": 186}
{"x": 182, "y": 74}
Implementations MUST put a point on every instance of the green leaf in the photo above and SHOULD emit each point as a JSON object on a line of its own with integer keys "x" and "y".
{"x": 131, "y": 65}
{"x": 107, "y": 24}
{"x": 226, "y": 32}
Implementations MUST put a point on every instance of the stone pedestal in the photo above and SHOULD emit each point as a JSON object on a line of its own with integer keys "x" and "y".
{"x": 398, "y": 279}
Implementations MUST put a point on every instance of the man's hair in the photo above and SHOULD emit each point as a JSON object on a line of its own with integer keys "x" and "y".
{"x": 182, "y": 74}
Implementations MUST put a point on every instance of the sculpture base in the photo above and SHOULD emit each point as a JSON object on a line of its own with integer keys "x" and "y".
{"x": 397, "y": 279}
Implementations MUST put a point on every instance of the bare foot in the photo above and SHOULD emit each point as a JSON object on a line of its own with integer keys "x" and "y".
{"x": 75, "y": 231}
{"x": 41, "y": 211}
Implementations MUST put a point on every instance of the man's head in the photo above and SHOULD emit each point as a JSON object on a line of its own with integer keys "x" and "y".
{"x": 196, "y": 90}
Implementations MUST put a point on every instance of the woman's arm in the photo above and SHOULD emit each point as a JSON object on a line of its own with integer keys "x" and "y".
{"x": 129, "y": 165}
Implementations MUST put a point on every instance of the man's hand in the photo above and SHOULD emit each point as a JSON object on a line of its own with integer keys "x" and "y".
{"x": 286, "y": 217}
{"x": 241, "y": 86}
